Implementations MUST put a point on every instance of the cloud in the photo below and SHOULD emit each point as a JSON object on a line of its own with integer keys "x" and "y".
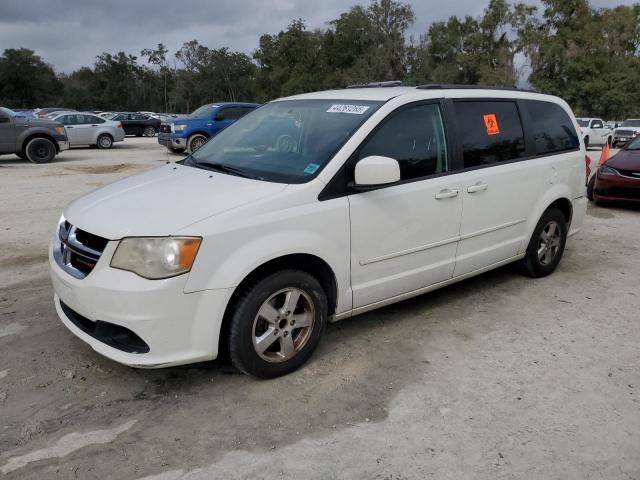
{"x": 69, "y": 34}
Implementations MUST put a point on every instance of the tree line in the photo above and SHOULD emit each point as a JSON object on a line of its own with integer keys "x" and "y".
{"x": 588, "y": 56}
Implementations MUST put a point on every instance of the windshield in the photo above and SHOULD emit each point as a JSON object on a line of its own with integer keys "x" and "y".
{"x": 203, "y": 112}
{"x": 634, "y": 144}
{"x": 631, "y": 123}
{"x": 287, "y": 141}
{"x": 583, "y": 123}
{"x": 8, "y": 112}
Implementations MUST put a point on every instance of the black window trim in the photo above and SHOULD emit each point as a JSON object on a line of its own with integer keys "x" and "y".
{"x": 338, "y": 186}
{"x": 528, "y": 124}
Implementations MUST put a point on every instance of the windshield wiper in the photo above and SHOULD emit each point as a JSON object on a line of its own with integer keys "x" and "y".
{"x": 220, "y": 167}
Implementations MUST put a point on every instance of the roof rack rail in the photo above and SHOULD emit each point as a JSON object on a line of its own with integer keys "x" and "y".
{"x": 453, "y": 86}
{"x": 390, "y": 83}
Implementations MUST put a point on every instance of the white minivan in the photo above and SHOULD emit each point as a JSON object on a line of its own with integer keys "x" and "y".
{"x": 315, "y": 208}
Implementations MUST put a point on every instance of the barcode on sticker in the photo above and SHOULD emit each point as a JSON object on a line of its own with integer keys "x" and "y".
{"x": 357, "y": 109}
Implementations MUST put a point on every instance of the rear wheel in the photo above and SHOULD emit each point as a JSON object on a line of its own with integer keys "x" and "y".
{"x": 149, "y": 132}
{"x": 277, "y": 324}
{"x": 105, "y": 141}
{"x": 546, "y": 245}
{"x": 40, "y": 150}
{"x": 195, "y": 142}
{"x": 586, "y": 142}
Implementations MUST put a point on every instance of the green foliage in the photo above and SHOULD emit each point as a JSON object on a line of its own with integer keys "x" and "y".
{"x": 590, "y": 57}
{"x": 25, "y": 79}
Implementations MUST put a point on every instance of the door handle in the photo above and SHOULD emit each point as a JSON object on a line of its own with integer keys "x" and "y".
{"x": 446, "y": 193}
{"x": 68, "y": 126}
{"x": 94, "y": 125}
{"x": 478, "y": 187}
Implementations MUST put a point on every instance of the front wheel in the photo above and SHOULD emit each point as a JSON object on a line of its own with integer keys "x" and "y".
{"x": 149, "y": 132}
{"x": 546, "y": 245}
{"x": 195, "y": 142}
{"x": 40, "y": 150}
{"x": 277, "y": 324}
{"x": 105, "y": 141}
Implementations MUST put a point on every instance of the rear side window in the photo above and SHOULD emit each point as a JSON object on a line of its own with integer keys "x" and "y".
{"x": 490, "y": 132}
{"x": 553, "y": 130}
{"x": 232, "y": 113}
{"x": 415, "y": 138}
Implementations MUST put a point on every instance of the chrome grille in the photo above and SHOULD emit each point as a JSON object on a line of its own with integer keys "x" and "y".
{"x": 77, "y": 251}
{"x": 625, "y": 133}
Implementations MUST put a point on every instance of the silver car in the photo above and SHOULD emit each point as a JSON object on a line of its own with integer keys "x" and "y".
{"x": 90, "y": 129}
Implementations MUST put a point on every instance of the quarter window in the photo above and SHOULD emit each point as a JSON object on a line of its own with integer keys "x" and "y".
{"x": 553, "y": 130}
{"x": 415, "y": 138}
{"x": 489, "y": 131}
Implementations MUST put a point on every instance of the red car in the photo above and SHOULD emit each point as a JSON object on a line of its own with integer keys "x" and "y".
{"x": 619, "y": 178}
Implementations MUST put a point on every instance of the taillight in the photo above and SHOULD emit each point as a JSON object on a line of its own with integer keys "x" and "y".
{"x": 587, "y": 162}
{"x": 119, "y": 125}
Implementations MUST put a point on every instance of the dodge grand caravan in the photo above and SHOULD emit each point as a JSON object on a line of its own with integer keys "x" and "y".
{"x": 315, "y": 208}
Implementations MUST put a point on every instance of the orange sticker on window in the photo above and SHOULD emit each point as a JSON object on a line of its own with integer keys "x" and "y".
{"x": 491, "y": 122}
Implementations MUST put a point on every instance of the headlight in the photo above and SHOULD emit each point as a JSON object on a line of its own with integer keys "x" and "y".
{"x": 156, "y": 257}
{"x": 604, "y": 170}
{"x": 179, "y": 128}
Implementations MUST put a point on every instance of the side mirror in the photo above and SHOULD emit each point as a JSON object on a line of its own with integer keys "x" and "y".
{"x": 4, "y": 119}
{"x": 376, "y": 170}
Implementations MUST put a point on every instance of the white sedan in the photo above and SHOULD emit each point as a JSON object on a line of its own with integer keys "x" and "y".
{"x": 90, "y": 129}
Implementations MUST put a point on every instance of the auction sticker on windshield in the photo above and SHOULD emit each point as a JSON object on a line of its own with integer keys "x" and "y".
{"x": 356, "y": 109}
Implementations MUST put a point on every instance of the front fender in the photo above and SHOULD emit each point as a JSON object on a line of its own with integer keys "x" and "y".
{"x": 227, "y": 257}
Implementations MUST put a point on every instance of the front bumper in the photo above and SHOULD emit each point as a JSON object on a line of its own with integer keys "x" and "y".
{"x": 171, "y": 140}
{"x": 616, "y": 188}
{"x": 63, "y": 145}
{"x": 177, "y": 327}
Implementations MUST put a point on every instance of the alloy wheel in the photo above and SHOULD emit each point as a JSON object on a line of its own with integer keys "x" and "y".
{"x": 549, "y": 243}
{"x": 283, "y": 325}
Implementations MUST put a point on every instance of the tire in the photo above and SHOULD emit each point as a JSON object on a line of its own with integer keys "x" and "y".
{"x": 293, "y": 344}
{"x": 149, "y": 132}
{"x": 591, "y": 186}
{"x": 105, "y": 141}
{"x": 537, "y": 264}
{"x": 176, "y": 150}
{"x": 195, "y": 142}
{"x": 609, "y": 142}
{"x": 40, "y": 150}
{"x": 586, "y": 142}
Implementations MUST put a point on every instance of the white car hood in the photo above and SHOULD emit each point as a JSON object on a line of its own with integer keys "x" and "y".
{"x": 162, "y": 201}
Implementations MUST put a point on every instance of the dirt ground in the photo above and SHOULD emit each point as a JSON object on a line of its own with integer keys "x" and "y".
{"x": 498, "y": 377}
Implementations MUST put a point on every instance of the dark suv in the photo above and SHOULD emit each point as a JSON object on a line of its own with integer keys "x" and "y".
{"x": 33, "y": 139}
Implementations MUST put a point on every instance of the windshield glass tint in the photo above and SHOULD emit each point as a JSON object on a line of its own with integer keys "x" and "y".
{"x": 634, "y": 145}
{"x": 203, "y": 112}
{"x": 287, "y": 141}
{"x": 631, "y": 123}
{"x": 583, "y": 123}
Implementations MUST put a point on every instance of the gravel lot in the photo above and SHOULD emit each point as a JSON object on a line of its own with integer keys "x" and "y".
{"x": 497, "y": 377}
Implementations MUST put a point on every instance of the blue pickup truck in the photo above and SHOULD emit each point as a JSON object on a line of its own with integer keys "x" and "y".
{"x": 191, "y": 132}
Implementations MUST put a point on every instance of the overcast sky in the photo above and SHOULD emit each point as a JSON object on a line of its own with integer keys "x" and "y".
{"x": 70, "y": 33}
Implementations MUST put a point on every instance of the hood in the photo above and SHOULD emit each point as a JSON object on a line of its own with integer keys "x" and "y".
{"x": 187, "y": 119}
{"x": 625, "y": 160}
{"x": 36, "y": 122}
{"x": 627, "y": 129}
{"x": 163, "y": 201}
